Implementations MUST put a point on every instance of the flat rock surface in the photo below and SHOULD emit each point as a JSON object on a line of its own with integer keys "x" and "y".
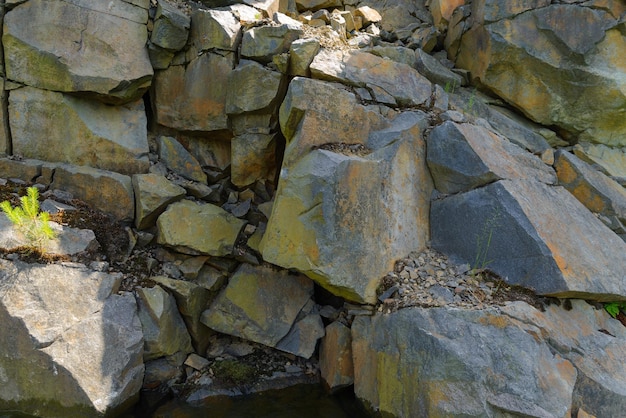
{"x": 57, "y": 316}
{"x": 533, "y": 235}
{"x": 68, "y": 241}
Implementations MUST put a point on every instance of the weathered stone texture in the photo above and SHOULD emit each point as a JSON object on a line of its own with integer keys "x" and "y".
{"x": 164, "y": 331}
{"x": 403, "y": 83}
{"x": 544, "y": 364}
{"x": 566, "y": 71}
{"x": 464, "y": 156}
{"x": 532, "y": 235}
{"x": 322, "y": 226}
{"x": 260, "y": 304}
{"x": 180, "y": 104}
{"x": 108, "y": 191}
{"x": 80, "y": 46}
{"x": 54, "y": 317}
{"x": 55, "y": 127}
{"x": 153, "y": 193}
{"x": 208, "y": 229}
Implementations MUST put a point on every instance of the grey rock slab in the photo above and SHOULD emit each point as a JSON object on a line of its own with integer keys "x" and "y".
{"x": 577, "y": 334}
{"x": 402, "y": 82}
{"x": 192, "y": 97}
{"x": 54, "y": 317}
{"x": 108, "y": 191}
{"x": 164, "y": 330}
{"x": 260, "y": 303}
{"x": 179, "y": 160}
{"x": 252, "y": 87}
{"x": 465, "y": 156}
{"x": 79, "y": 131}
{"x": 433, "y": 70}
{"x": 192, "y": 300}
{"x": 171, "y": 27}
{"x": 68, "y": 241}
{"x": 396, "y": 53}
{"x": 263, "y": 42}
{"x": 215, "y": 29}
{"x": 532, "y": 235}
{"x": 515, "y": 128}
{"x": 153, "y": 193}
{"x": 79, "y": 46}
{"x": 302, "y": 338}
{"x": 458, "y": 363}
{"x": 201, "y": 228}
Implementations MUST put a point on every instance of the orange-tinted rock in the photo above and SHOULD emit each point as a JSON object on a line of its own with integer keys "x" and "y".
{"x": 336, "y": 367}
{"x": 180, "y": 103}
{"x": 599, "y": 193}
{"x": 557, "y": 64}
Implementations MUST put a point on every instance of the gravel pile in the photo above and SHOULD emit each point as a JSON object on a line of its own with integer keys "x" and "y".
{"x": 429, "y": 279}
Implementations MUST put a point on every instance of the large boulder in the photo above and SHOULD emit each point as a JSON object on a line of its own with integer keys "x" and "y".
{"x": 198, "y": 228}
{"x": 512, "y": 361}
{"x": 312, "y": 107}
{"x": 263, "y": 42}
{"x": 465, "y": 156}
{"x": 252, "y": 87}
{"x": 191, "y": 299}
{"x": 79, "y": 131}
{"x": 215, "y": 29}
{"x": 344, "y": 213}
{"x": 91, "y": 48}
{"x": 533, "y": 235}
{"x": 153, "y": 193}
{"x": 554, "y": 62}
{"x": 192, "y": 97}
{"x": 71, "y": 345}
{"x": 108, "y": 191}
{"x": 383, "y": 77}
{"x": 164, "y": 330}
{"x": 260, "y": 304}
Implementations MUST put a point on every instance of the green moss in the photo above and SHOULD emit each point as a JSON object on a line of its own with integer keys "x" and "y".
{"x": 234, "y": 371}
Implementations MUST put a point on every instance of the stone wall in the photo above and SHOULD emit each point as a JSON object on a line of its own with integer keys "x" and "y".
{"x": 279, "y": 147}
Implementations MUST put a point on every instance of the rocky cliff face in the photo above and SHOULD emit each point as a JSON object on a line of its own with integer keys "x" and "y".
{"x": 285, "y": 155}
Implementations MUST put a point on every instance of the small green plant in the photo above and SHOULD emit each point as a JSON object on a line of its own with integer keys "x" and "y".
{"x": 28, "y": 220}
{"x": 483, "y": 243}
{"x": 450, "y": 87}
{"x": 614, "y": 308}
{"x": 470, "y": 103}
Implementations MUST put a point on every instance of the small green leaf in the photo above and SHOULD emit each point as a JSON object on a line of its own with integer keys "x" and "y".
{"x": 612, "y": 309}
